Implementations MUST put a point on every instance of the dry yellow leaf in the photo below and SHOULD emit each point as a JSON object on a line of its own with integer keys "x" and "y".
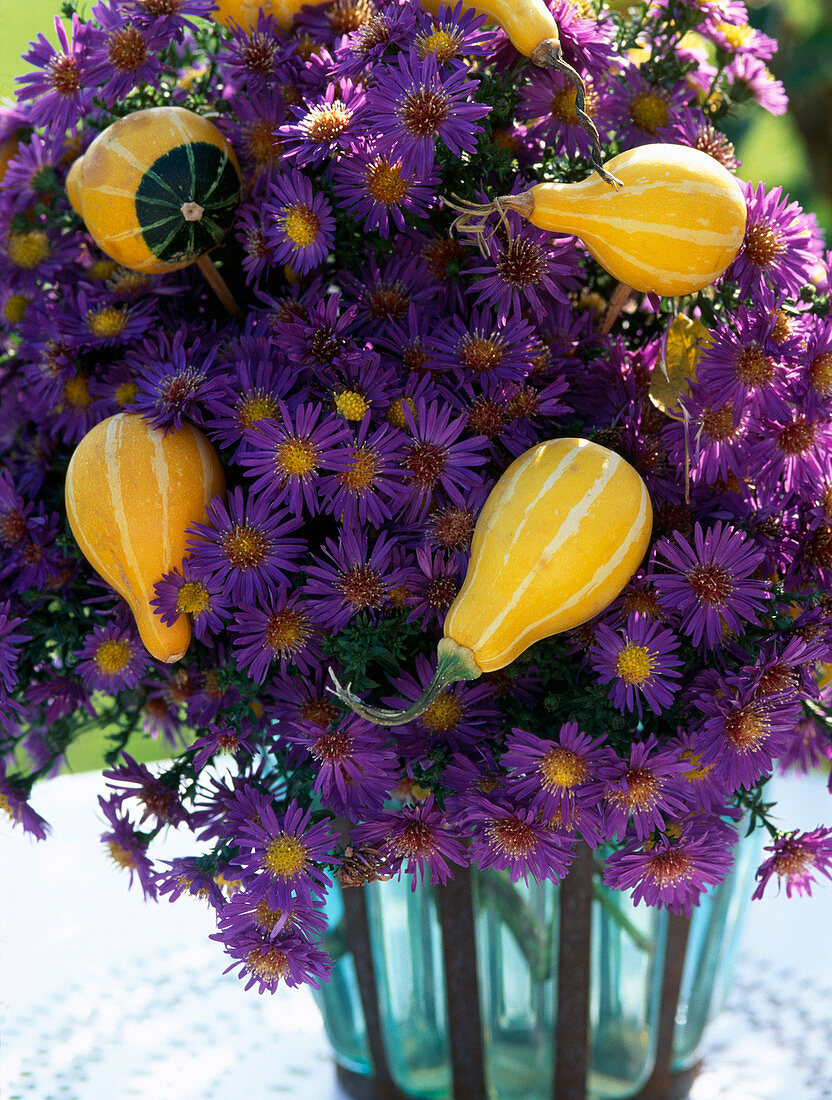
{"x": 684, "y": 342}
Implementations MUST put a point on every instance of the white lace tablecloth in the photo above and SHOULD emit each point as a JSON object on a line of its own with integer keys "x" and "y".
{"x": 104, "y": 997}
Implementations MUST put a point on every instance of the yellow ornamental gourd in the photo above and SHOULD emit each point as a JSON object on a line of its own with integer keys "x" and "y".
{"x": 560, "y": 534}
{"x": 131, "y": 494}
{"x": 157, "y": 189}
{"x": 673, "y": 227}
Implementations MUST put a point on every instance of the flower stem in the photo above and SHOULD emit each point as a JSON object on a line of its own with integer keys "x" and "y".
{"x": 454, "y": 662}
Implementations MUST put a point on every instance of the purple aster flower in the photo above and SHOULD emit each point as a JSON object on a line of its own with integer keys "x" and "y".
{"x": 283, "y": 853}
{"x": 642, "y": 112}
{"x": 286, "y": 456}
{"x": 324, "y": 125}
{"x": 715, "y": 440}
{"x": 59, "y": 695}
{"x": 244, "y": 913}
{"x": 671, "y": 870}
{"x": 174, "y": 16}
{"x": 30, "y": 175}
{"x": 315, "y": 333}
{"x": 790, "y": 452}
{"x": 369, "y": 488}
{"x": 454, "y": 33}
{"x": 182, "y": 592}
{"x": 350, "y": 577}
{"x": 10, "y": 642}
{"x": 816, "y": 368}
{"x": 741, "y": 363}
{"x": 706, "y": 788}
{"x": 282, "y": 628}
{"x": 252, "y": 130}
{"x": 223, "y": 738}
{"x": 127, "y": 848}
{"x": 512, "y": 838}
{"x": 385, "y": 293}
{"x": 124, "y": 54}
{"x": 777, "y": 249}
{"x": 186, "y": 876}
{"x": 259, "y": 256}
{"x": 640, "y": 661}
{"x": 247, "y": 397}
{"x": 299, "y": 226}
{"x": 549, "y": 100}
{"x": 266, "y": 963}
{"x": 711, "y": 584}
{"x": 112, "y": 658}
{"x": 354, "y": 768}
{"x": 251, "y": 55}
{"x": 376, "y": 189}
{"x": 644, "y": 790}
{"x": 437, "y": 458}
{"x": 559, "y": 777}
{"x": 245, "y": 546}
{"x": 526, "y": 272}
{"x": 417, "y": 839}
{"x": 156, "y": 798}
{"x": 14, "y": 800}
{"x": 693, "y": 128}
{"x": 750, "y": 79}
{"x": 796, "y": 858}
{"x": 93, "y": 320}
{"x": 173, "y": 379}
{"x": 434, "y": 588}
{"x": 484, "y": 350}
{"x": 60, "y": 90}
{"x": 743, "y": 731}
{"x": 412, "y": 104}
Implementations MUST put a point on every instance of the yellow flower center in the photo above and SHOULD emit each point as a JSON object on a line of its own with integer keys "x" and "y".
{"x": 301, "y": 225}
{"x": 193, "y": 598}
{"x": 260, "y": 142}
{"x": 649, "y": 111}
{"x": 77, "y": 392}
{"x": 268, "y": 963}
{"x": 121, "y": 856}
{"x": 361, "y": 475}
{"x": 696, "y": 771}
{"x": 15, "y": 308}
{"x": 444, "y": 713}
{"x": 7, "y": 807}
{"x": 820, "y": 373}
{"x": 384, "y": 181}
{"x": 112, "y": 656}
{"x": 27, "y": 250}
{"x": 296, "y": 458}
{"x": 126, "y": 393}
{"x": 102, "y": 269}
{"x": 736, "y": 35}
{"x": 285, "y": 856}
{"x": 395, "y": 414}
{"x": 107, "y": 322}
{"x": 634, "y": 664}
{"x": 351, "y": 405}
{"x": 267, "y": 918}
{"x": 288, "y": 631}
{"x": 256, "y": 406}
{"x": 514, "y": 837}
{"x": 562, "y": 768}
{"x": 440, "y": 41}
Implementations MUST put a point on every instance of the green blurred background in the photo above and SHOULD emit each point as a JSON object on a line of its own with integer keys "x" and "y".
{"x": 793, "y": 151}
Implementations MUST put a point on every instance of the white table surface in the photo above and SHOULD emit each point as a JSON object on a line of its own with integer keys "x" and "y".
{"x": 104, "y": 996}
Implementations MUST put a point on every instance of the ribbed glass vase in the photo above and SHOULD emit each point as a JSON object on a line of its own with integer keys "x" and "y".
{"x": 497, "y": 960}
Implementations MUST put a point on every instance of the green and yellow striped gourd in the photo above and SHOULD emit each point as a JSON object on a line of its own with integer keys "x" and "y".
{"x": 561, "y": 533}
{"x": 673, "y": 227}
{"x": 132, "y": 491}
{"x": 157, "y": 189}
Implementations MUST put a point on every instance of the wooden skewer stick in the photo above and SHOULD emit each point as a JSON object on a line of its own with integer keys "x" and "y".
{"x": 619, "y": 299}
{"x": 219, "y": 286}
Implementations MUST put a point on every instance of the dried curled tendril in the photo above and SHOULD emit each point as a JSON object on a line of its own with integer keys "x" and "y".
{"x": 472, "y": 217}
{"x": 596, "y": 159}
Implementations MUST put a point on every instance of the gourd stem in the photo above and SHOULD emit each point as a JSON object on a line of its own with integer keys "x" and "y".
{"x": 619, "y": 299}
{"x": 454, "y": 662}
{"x": 219, "y": 286}
{"x": 548, "y": 56}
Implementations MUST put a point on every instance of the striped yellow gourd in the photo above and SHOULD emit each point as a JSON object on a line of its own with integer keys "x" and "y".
{"x": 561, "y": 533}
{"x": 157, "y": 189}
{"x": 131, "y": 494}
{"x": 673, "y": 227}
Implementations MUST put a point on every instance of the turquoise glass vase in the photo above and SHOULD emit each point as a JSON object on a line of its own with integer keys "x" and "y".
{"x": 514, "y": 957}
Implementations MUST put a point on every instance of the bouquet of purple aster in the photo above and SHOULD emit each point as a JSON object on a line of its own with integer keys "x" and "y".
{"x": 375, "y": 378}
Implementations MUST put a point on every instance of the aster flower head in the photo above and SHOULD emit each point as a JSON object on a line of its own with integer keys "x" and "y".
{"x": 513, "y": 838}
{"x": 438, "y": 458}
{"x": 777, "y": 249}
{"x": 374, "y": 187}
{"x": 112, "y": 658}
{"x": 11, "y": 639}
{"x": 413, "y": 104}
{"x": 126, "y": 847}
{"x": 266, "y": 963}
{"x": 202, "y": 598}
{"x": 644, "y": 790}
{"x": 417, "y": 840}
{"x": 156, "y": 799}
{"x": 60, "y": 90}
{"x": 711, "y": 583}
{"x": 281, "y": 627}
{"x": 124, "y": 53}
{"x": 14, "y": 802}
{"x": 245, "y": 546}
{"x": 173, "y": 378}
{"x": 323, "y": 125}
{"x": 298, "y": 222}
{"x": 796, "y": 858}
{"x": 641, "y": 661}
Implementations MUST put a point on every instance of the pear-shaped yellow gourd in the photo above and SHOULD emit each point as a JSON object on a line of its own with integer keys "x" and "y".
{"x": 560, "y": 534}
{"x": 131, "y": 494}
{"x": 672, "y": 228}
